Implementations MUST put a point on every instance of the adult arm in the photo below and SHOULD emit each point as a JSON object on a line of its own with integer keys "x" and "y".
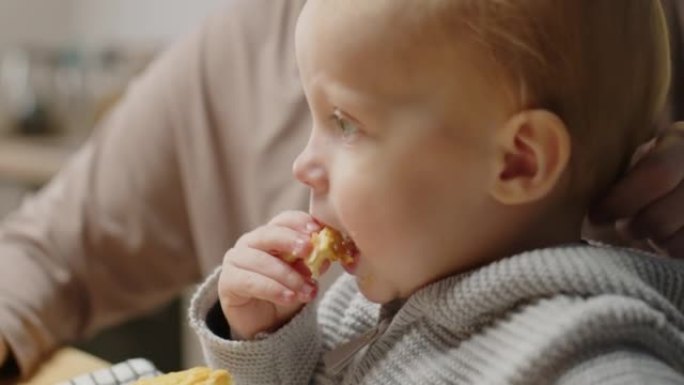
{"x": 109, "y": 236}
{"x": 198, "y": 150}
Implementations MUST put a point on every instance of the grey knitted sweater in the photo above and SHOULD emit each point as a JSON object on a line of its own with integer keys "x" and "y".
{"x": 576, "y": 314}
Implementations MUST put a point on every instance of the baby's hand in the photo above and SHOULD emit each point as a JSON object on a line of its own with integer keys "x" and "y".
{"x": 648, "y": 203}
{"x": 258, "y": 291}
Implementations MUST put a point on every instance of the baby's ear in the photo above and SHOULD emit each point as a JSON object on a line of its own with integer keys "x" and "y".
{"x": 533, "y": 151}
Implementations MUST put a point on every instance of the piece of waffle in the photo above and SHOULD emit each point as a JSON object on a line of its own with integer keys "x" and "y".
{"x": 194, "y": 376}
{"x": 328, "y": 245}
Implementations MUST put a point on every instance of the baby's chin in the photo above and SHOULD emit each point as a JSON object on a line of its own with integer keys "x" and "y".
{"x": 374, "y": 291}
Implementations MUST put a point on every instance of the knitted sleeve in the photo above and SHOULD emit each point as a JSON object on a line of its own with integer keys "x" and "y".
{"x": 287, "y": 356}
{"x": 622, "y": 367}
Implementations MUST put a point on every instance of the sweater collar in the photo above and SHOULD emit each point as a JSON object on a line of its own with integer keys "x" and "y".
{"x": 465, "y": 302}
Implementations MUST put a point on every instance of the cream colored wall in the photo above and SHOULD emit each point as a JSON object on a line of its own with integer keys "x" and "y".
{"x": 35, "y": 21}
{"x": 94, "y": 22}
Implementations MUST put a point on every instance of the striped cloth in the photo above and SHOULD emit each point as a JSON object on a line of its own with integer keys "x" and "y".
{"x": 123, "y": 373}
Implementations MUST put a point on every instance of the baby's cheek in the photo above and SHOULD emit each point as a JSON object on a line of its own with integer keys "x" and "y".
{"x": 372, "y": 223}
{"x": 357, "y": 209}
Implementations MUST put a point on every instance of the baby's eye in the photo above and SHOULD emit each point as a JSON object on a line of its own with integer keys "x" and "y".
{"x": 347, "y": 128}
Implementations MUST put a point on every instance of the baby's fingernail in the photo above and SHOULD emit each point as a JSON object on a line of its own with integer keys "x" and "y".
{"x": 312, "y": 227}
{"x": 300, "y": 245}
{"x": 307, "y": 290}
{"x": 288, "y": 295}
{"x": 306, "y": 293}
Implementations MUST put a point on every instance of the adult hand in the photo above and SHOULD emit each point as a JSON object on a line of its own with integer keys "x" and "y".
{"x": 257, "y": 289}
{"x": 648, "y": 203}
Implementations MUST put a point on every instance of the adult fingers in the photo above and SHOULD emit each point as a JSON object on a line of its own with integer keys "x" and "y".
{"x": 674, "y": 246}
{"x": 656, "y": 175}
{"x": 660, "y": 220}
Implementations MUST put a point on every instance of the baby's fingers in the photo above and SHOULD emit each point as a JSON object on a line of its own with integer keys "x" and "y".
{"x": 249, "y": 286}
{"x": 287, "y": 284}
{"x": 297, "y": 220}
{"x": 277, "y": 240}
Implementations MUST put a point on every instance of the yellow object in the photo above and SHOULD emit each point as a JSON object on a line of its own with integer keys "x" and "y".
{"x": 328, "y": 244}
{"x": 195, "y": 376}
{"x": 63, "y": 365}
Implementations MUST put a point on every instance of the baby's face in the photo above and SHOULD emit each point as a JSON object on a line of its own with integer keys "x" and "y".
{"x": 401, "y": 152}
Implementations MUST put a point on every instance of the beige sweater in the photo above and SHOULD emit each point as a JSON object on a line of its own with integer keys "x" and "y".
{"x": 198, "y": 152}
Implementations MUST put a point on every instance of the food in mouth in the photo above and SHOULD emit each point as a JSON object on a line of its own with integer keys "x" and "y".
{"x": 328, "y": 245}
{"x": 196, "y": 376}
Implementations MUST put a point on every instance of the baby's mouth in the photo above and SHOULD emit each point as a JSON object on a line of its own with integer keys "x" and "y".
{"x": 329, "y": 245}
{"x": 343, "y": 247}
{"x": 352, "y": 251}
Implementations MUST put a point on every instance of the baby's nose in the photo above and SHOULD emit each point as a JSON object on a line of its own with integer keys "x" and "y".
{"x": 309, "y": 169}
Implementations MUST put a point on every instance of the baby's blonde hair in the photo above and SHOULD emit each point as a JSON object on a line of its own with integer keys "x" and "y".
{"x": 602, "y": 66}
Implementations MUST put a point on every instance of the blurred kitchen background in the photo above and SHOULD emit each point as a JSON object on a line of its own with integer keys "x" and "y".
{"x": 63, "y": 64}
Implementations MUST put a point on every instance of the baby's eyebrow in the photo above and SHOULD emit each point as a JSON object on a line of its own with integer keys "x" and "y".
{"x": 353, "y": 97}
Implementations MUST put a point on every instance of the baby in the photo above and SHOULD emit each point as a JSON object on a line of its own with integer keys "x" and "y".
{"x": 458, "y": 144}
